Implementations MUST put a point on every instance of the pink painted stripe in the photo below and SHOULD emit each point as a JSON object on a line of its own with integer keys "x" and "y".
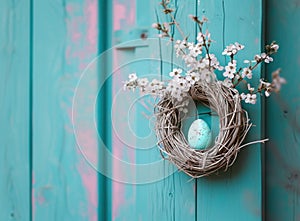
{"x": 124, "y": 18}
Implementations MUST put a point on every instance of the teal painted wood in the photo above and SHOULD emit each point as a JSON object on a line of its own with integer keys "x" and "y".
{"x": 183, "y": 186}
{"x": 65, "y": 40}
{"x": 105, "y": 31}
{"x": 172, "y": 198}
{"x": 237, "y": 194}
{"x": 283, "y": 115}
{"x": 15, "y": 109}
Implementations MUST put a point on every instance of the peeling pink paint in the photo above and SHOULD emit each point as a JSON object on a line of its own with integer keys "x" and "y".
{"x": 91, "y": 11}
{"x": 89, "y": 179}
{"x": 69, "y": 8}
{"x": 40, "y": 198}
{"x": 119, "y": 15}
{"x": 124, "y": 14}
{"x": 124, "y": 17}
{"x": 82, "y": 32}
{"x": 132, "y": 13}
{"x": 89, "y": 141}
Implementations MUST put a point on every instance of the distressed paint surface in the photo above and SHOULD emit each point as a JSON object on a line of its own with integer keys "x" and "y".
{"x": 14, "y": 110}
{"x": 237, "y": 194}
{"x": 65, "y": 37}
{"x": 172, "y": 198}
{"x": 283, "y": 115}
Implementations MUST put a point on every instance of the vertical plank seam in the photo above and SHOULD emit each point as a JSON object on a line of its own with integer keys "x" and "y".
{"x": 172, "y": 66}
{"x": 160, "y": 48}
{"x": 102, "y": 119}
{"x": 196, "y": 180}
{"x": 263, "y": 122}
{"x": 31, "y": 110}
{"x": 223, "y": 29}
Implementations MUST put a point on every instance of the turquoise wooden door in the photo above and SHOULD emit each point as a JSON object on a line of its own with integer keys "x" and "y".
{"x": 48, "y": 172}
{"x": 283, "y": 117}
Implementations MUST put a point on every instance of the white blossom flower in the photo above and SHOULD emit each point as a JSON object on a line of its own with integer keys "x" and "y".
{"x": 178, "y": 88}
{"x": 247, "y": 73}
{"x": 200, "y": 38}
{"x": 232, "y": 49}
{"x": 166, "y": 25}
{"x": 214, "y": 62}
{"x": 192, "y": 77}
{"x": 180, "y": 44}
{"x": 243, "y": 96}
{"x": 249, "y": 98}
{"x": 202, "y": 64}
{"x": 227, "y": 82}
{"x": 129, "y": 85}
{"x": 155, "y": 25}
{"x": 207, "y": 75}
{"x": 229, "y": 74}
{"x": 239, "y": 46}
{"x": 183, "y": 85}
{"x": 189, "y": 60}
{"x": 231, "y": 66}
{"x": 171, "y": 86}
{"x": 267, "y": 93}
{"x": 207, "y": 36}
{"x": 230, "y": 70}
{"x": 155, "y": 87}
{"x": 190, "y": 45}
{"x": 143, "y": 82}
{"x": 178, "y": 95}
{"x": 257, "y": 58}
{"x": 132, "y": 77}
{"x": 175, "y": 73}
{"x": 195, "y": 50}
{"x": 266, "y": 86}
{"x": 274, "y": 47}
{"x": 266, "y": 58}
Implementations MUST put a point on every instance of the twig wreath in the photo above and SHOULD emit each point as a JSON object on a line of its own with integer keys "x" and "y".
{"x": 200, "y": 84}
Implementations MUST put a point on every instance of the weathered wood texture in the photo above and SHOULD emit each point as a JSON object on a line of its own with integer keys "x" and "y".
{"x": 283, "y": 115}
{"x": 14, "y": 110}
{"x": 65, "y": 35}
{"x": 236, "y": 194}
{"x": 242, "y": 184}
{"x": 172, "y": 198}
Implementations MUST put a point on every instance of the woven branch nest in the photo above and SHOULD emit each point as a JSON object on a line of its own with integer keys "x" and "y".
{"x": 233, "y": 128}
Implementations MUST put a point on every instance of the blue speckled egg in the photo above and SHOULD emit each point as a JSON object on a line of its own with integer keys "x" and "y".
{"x": 199, "y": 135}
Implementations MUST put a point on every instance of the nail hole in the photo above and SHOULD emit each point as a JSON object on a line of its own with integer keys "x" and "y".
{"x": 143, "y": 36}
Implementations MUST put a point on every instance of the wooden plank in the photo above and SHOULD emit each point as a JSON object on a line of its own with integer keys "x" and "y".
{"x": 283, "y": 115}
{"x": 65, "y": 41}
{"x": 173, "y": 197}
{"x": 15, "y": 110}
{"x": 236, "y": 194}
